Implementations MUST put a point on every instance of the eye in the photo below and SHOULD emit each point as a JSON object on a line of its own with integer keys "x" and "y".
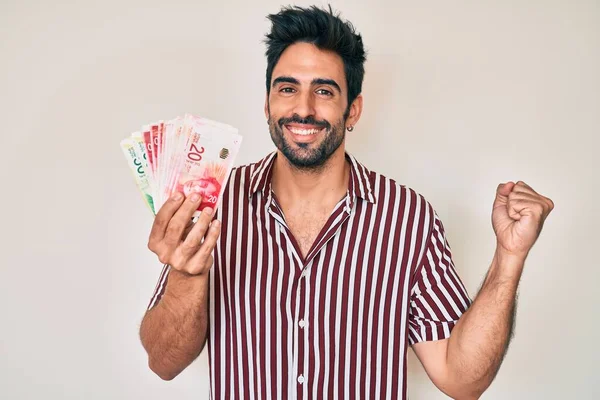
{"x": 324, "y": 92}
{"x": 287, "y": 90}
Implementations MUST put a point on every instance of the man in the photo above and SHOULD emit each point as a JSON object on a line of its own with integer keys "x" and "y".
{"x": 321, "y": 272}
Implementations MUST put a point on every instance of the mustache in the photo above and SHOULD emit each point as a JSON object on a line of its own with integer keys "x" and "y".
{"x": 310, "y": 120}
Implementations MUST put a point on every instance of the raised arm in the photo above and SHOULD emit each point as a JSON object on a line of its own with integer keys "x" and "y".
{"x": 464, "y": 365}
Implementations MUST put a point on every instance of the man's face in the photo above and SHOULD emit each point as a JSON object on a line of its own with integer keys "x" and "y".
{"x": 306, "y": 105}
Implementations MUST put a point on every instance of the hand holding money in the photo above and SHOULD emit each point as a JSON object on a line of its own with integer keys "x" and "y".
{"x": 191, "y": 253}
{"x": 181, "y": 168}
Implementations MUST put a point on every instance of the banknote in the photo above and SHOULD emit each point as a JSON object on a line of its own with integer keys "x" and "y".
{"x": 207, "y": 160}
{"x": 187, "y": 155}
{"x": 135, "y": 159}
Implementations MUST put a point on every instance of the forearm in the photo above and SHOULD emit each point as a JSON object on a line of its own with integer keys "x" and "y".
{"x": 480, "y": 339}
{"x": 174, "y": 331}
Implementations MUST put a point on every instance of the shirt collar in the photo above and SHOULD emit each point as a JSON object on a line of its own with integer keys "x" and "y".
{"x": 358, "y": 186}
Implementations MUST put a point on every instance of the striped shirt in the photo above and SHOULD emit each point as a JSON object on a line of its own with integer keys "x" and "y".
{"x": 335, "y": 324}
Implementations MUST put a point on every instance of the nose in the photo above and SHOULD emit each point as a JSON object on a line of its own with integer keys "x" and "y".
{"x": 305, "y": 105}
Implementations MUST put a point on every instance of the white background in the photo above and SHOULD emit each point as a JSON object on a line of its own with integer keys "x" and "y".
{"x": 459, "y": 96}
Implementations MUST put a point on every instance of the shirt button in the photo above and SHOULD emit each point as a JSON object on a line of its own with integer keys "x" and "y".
{"x": 302, "y": 323}
{"x": 301, "y": 379}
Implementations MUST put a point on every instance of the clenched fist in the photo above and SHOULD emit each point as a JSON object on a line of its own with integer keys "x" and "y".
{"x": 187, "y": 248}
{"x": 518, "y": 215}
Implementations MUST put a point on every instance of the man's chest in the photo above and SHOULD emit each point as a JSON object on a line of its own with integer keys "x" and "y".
{"x": 318, "y": 249}
{"x": 340, "y": 312}
{"x": 304, "y": 226}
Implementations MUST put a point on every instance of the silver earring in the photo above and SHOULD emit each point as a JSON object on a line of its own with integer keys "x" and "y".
{"x": 350, "y": 128}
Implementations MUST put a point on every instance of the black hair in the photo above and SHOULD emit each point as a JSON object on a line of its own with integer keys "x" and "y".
{"x": 325, "y": 30}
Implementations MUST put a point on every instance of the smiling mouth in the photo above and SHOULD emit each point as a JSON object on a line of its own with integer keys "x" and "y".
{"x": 303, "y": 131}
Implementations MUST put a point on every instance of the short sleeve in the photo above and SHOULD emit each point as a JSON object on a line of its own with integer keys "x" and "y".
{"x": 161, "y": 285}
{"x": 438, "y": 297}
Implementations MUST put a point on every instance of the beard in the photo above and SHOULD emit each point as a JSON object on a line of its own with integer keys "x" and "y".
{"x": 308, "y": 156}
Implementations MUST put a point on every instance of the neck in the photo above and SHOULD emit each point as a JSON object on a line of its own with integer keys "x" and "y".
{"x": 327, "y": 184}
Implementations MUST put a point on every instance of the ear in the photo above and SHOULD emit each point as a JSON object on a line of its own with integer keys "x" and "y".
{"x": 267, "y": 106}
{"x": 355, "y": 111}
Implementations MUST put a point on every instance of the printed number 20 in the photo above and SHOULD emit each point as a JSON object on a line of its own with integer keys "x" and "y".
{"x": 195, "y": 154}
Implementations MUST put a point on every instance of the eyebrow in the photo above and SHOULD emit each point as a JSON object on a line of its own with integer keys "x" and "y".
{"x": 285, "y": 79}
{"x": 316, "y": 81}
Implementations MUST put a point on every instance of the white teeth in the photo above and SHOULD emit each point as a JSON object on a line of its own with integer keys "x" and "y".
{"x": 304, "y": 131}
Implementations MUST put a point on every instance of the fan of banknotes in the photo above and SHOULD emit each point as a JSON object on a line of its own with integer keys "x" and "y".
{"x": 189, "y": 154}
